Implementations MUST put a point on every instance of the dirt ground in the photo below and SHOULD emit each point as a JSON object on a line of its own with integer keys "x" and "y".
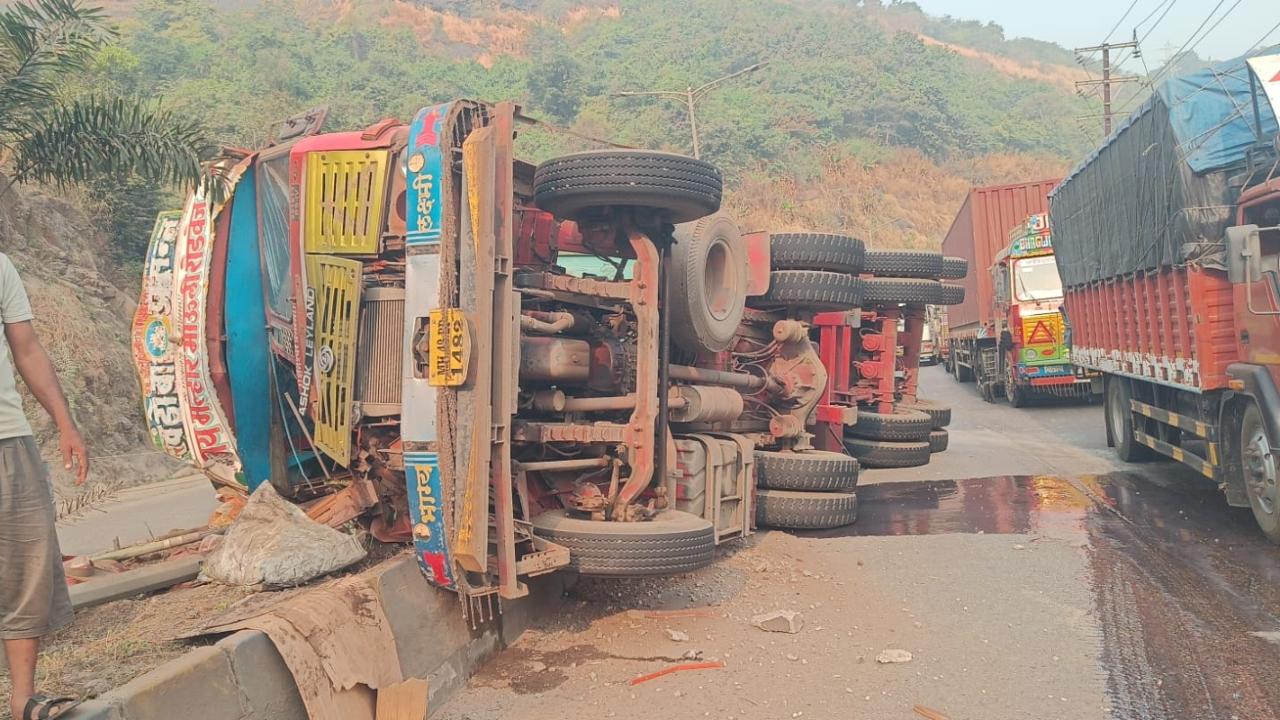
{"x": 111, "y": 644}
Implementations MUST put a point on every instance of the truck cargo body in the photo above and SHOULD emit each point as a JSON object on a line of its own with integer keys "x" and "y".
{"x": 1168, "y": 240}
{"x": 979, "y": 232}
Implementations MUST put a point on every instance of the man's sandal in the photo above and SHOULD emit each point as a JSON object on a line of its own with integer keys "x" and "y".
{"x": 43, "y": 707}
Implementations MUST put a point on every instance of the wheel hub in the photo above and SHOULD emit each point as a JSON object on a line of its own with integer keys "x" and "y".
{"x": 1260, "y": 471}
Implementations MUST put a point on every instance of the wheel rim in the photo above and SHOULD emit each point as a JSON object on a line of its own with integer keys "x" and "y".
{"x": 1260, "y": 468}
{"x": 717, "y": 285}
{"x": 1117, "y": 415}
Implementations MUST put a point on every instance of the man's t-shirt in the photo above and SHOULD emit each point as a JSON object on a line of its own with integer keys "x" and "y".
{"x": 14, "y": 307}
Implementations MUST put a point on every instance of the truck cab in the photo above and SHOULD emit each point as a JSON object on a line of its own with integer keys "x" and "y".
{"x": 1035, "y": 360}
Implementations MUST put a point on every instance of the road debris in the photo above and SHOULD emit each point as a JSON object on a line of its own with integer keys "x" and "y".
{"x": 712, "y": 665}
{"x": 274, "y": 544}
{"x": 677, "y": 635}
{"x": 893, "y": 655}
{"x": 783, "y": 621}
{"x": 930, "y": 713}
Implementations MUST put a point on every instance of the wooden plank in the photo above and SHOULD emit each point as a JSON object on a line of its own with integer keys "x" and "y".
{"x": 403, "y": 701}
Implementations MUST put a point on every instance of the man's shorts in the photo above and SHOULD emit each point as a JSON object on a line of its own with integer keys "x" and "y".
{"x": 33, "y": 589}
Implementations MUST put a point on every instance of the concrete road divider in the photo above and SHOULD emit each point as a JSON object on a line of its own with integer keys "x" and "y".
{"x": 243, "y": 676}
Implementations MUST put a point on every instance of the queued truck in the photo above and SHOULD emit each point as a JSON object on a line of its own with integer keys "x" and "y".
{"x": 1008, "y": 336}
{"x": 1168, "y": 238}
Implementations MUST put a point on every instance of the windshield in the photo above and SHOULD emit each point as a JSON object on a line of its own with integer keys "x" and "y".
{"x": 1036, "y": 279}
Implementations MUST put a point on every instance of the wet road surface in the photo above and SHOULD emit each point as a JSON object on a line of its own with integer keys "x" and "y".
{"x": 1187, "y": 591}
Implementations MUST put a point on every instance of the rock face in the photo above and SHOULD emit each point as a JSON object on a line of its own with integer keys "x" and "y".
{"x": 83, "y": 320}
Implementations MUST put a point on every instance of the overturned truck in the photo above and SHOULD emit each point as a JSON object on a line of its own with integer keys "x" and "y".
{"x": 396, "y": 324}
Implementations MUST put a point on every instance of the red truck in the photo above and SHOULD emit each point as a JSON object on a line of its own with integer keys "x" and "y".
{"x": 1168, "y": 242}
{"x": 979, "y": 233}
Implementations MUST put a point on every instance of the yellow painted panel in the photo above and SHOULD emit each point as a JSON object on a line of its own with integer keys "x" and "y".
{"x": 345, "y": 198}
{"x": 335, "y": 285}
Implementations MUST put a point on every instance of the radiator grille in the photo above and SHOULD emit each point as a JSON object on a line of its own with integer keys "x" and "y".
{"x": 345, "y": 201}
{"x": 381, "y": 354}
{"x": 336, "y": 284}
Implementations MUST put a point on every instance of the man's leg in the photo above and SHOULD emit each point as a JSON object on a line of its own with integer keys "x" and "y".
{"x": 21, "y": 655}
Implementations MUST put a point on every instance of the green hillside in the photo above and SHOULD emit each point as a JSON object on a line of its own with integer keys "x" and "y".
{"x": 848, "y": 87}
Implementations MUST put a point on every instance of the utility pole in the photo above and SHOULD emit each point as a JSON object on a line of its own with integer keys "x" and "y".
{"x": 690, "y": 97}
{"x": 1107, "y": 79}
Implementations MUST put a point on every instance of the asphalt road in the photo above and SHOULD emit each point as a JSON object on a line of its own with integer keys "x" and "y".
{"x": 1028, "y": 573}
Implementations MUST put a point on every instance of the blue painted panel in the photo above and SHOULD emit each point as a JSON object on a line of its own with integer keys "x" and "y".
{"x": 248, "y": 354}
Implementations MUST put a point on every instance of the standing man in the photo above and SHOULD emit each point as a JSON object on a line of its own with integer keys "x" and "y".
{"x": 33, "y": 590}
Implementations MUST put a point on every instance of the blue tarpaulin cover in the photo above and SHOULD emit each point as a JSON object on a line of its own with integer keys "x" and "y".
{"x": 1159, "y": 192}
{"x": 1211, "y": 111}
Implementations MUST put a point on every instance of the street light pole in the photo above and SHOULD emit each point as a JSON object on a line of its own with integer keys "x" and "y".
{"x": 690, "y": 97}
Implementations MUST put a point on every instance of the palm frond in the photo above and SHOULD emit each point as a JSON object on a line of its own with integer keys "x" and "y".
{"x": 39, "y": 41}
{"x": 93, "y": 138}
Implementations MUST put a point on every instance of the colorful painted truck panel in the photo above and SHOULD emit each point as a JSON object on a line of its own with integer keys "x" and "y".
{"x": 155, "y": 351}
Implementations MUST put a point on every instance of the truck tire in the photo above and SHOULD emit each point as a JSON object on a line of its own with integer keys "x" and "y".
{"x": 901, "y": 424}
{"x": 938, "y": 413}
{"x": 813, "y": 471}
{"x": 805, "y": 510}
{"x": 1258, "y": 460}
{"x": 903, "y": 263}
{"x": 887, "y": 454}
{"x": 951, "y": 294}
{"x": 891, "y": 291}
{"x": 938, "y": 440}
{"x": 708, "y": 287}
{"x": 673, "y": 542}
{"x": 816, "y": 251}
{"x": 954, "y": 268}
{"x": 1016, "y": 396}
{"x": 812, "y": 289}
{"x": 1120, "y": 422}
{"x": 681, "y": 189}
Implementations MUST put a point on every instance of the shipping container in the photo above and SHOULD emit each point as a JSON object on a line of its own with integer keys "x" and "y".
{"x": 979, "y": 232}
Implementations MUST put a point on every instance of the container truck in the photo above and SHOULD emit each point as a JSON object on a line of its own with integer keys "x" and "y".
{"x": 979, "y": 233}
{"x": 1032, "y": 352}
{"x": 1168, "y": 241}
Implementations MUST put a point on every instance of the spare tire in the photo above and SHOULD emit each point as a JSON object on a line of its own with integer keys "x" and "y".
{"x": 814, "y": 471}
{"x": 811, "y": 289}
{"x": 805, "y": 510}
{"x": 679, "y": 188}
{"x": 887, "y": 454}
{"x": 671, "y": 543}
{"x": 954, "y": 268}
{"x": 816, "y": 251}
{"x": 940, "y": 414}
{"x": 903, "y": 263}
{"x": 891, "y": 291}
{"x": 951, "y": 294}
{"x": 901, "y": 424}
{"x": 708, "y": 289}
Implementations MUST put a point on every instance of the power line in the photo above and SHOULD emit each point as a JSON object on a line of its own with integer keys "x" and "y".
{"x": 1107, "y": 78}
{"x": 1263, "y": 38}
{"x": 690, "y": 97}
{"x": 1137, "y": 51}
{"x": 1117, "y": 25}
{"x": 1169, "y": 64}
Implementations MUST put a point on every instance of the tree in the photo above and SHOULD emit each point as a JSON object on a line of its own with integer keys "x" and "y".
{"x": 47, "y": 136}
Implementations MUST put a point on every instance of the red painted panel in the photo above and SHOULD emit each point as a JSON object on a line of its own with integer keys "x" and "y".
{"x": 979, "y": 231}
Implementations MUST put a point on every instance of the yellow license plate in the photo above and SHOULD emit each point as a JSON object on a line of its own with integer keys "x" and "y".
{"x": 450, "y": 344}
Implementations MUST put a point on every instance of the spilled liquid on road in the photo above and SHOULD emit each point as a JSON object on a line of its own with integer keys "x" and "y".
{"x": 1187, "y": 590}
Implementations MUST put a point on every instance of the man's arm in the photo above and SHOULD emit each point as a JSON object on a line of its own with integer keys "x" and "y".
{"x": 37, "y": 371}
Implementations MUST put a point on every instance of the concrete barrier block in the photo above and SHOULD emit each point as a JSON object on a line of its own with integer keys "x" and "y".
{"x": 427, "y": 622}
{"x": 199, "y": 684}
{"x": 102, "y": 708}
{"x": 267, "y": 687}
{"x": 546, "y": 594}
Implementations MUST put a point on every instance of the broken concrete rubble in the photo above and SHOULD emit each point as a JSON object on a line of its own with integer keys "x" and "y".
{"x": 783, "y": 621}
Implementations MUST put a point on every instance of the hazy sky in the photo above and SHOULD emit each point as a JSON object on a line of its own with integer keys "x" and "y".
{"x": 1081, "y": 23}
